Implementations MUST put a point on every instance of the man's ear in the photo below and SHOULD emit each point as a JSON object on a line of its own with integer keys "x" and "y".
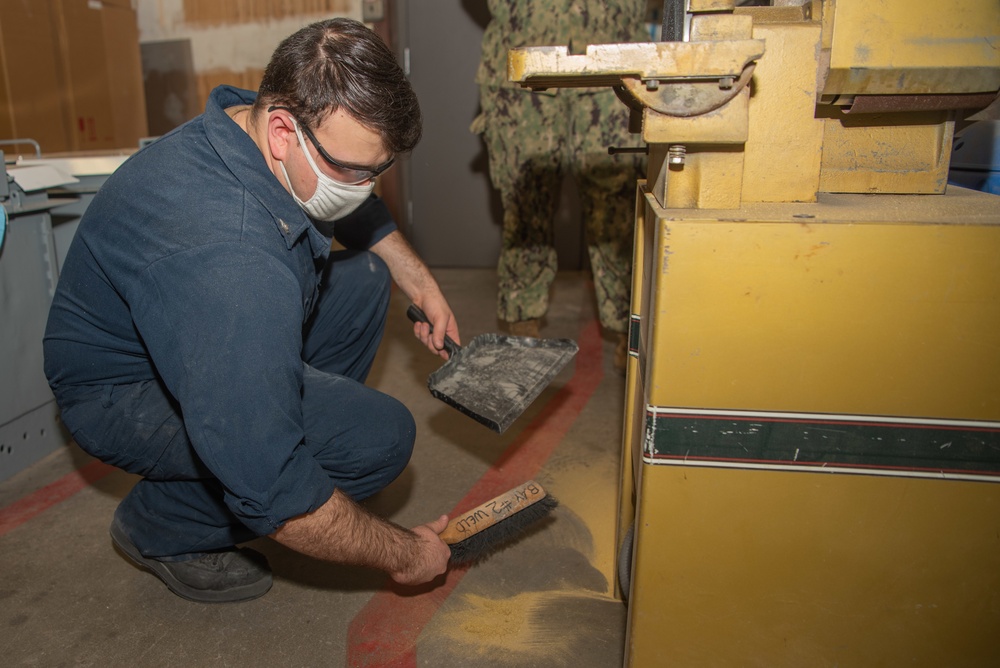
{"x": 280, "y": 135}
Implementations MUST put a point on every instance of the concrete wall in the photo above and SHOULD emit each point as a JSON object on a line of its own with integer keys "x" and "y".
{"x": 191, "y": 46}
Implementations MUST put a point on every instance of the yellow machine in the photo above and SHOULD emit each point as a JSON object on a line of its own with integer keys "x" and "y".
{"x": 811, "y": 453}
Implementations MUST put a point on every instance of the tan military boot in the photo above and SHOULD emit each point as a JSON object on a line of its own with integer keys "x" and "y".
{"x": 621, "y": 353}
{"x": 524, "y": 328}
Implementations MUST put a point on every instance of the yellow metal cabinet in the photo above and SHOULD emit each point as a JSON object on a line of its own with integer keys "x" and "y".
{"x": 813, "y": 433}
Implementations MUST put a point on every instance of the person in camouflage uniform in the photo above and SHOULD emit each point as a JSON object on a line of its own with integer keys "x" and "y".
{"x": 534, "y": 138}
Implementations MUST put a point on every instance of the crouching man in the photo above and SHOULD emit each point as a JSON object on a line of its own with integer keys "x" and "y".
{"x": 204, "y": 336}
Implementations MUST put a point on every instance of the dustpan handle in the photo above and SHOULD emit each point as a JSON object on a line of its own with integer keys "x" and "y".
{"x": 415, "y": 314}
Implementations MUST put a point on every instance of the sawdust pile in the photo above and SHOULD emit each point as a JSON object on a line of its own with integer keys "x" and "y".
{"x": 525, "y": 627}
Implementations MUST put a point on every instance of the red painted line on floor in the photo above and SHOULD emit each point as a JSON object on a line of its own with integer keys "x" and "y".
{"x": 52, "y": 494}
{"x": 385, "y": 631}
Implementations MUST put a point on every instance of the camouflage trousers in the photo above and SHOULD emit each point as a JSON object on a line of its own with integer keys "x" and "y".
{"x": 533, "y": 141}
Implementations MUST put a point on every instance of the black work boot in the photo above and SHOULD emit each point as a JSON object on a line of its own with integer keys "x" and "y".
{"x": 239, "y": 574}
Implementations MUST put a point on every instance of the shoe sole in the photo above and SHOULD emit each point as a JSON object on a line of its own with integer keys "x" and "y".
{"x": 244, "y": 593}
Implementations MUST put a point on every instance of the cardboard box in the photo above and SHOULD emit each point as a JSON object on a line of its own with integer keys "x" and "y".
{"x": 74, "y": 74}
{"x": 99, "y": 45}
{"x": 31, "y": 92}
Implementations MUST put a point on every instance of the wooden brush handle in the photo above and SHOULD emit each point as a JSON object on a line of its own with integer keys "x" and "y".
{"x": 500, "y": 508}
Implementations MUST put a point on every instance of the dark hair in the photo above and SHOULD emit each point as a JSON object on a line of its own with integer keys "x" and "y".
{"x": 341, "y": 64}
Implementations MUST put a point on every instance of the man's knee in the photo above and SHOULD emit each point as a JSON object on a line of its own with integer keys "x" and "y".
{"x": 397, "y": 430}
{"x": 362, "y": 438}
{"x": 388, "y": 445}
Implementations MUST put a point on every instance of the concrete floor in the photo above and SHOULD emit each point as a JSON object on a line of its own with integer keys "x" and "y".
{"x": 67, "y": 598}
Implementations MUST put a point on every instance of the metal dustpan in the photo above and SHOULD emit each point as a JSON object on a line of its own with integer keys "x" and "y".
{"x": 494, "y": 378}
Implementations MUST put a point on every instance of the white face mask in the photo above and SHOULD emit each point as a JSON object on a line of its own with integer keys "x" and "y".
{"x": 332, "y": 200}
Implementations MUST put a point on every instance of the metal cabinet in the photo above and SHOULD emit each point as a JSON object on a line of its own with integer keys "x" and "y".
{"x": 42, "y": 204}
{"x": 29, "y": 424}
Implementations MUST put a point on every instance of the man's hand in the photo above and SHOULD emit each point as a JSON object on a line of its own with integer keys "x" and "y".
{"x": 431, "y": 555}
{"x": 442, "y": 322}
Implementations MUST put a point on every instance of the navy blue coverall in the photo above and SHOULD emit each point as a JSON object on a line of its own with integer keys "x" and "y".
{"x": 204, "y": 337}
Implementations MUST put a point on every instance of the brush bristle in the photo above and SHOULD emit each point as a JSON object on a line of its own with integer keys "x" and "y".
{"x": 478, "y": 546}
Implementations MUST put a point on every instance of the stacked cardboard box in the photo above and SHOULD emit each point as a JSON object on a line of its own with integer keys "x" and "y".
{"x": 71, "y": 74}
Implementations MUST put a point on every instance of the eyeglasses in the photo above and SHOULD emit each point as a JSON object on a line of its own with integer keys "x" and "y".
{"x": 347, "y": 174}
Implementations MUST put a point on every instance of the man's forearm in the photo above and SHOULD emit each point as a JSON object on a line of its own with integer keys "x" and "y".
{"x": 341, "y": 531}
{"x": 407, "y": 269}
{"x": 416, "y": 281}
